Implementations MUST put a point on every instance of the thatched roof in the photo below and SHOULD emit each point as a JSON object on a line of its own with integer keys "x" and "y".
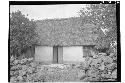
{"x": 65, "y": 32}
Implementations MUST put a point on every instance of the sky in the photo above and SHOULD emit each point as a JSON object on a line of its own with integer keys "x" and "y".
{"x": 39, "y": 12}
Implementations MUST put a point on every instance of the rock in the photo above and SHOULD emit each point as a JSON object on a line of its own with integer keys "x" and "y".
{"x": 106, "y": 75}
{"x": 95, "y": 56}
{"x": 96, "y": 62}
{"x": 16, "y": 67}
{"x": 13, "y": 79}
{"x": 92, "y": 73}
{"x": 16, "y": 73}
{"x": 60, "y": 66}
{"x": 114, "y": 57}
{"x": 21, "y": 72}
{"x": 30, "y": 70}
{"x": 91, "y": 79}
{"x": 83, "y": 65}
{"x": 30, "y": 59}
{"x": 24, "y": 67}
{"x": 102, "y": 54}
{"x": 88, "y": 60}
{"x": 16, "y": 62}
{"x": 114, "y": 74}
{"x": 111, "y": 54}
{"x": 81, "y": 73}
{"x": 107, "y": 59}
{"x": 20, "y": 78}
{"x": 32, "y": 64}
{"x": 109, "y": 72}
{"x": 23, "y": 61}
{"x": 111, "y": 66}
{"x": 12, "y": 59}
{"x": 102, "y": 67}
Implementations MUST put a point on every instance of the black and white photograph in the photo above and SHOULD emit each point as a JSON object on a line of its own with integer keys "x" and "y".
{"x": 59, "y": 41}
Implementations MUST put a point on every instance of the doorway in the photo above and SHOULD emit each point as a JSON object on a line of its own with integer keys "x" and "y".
{"x": 57, "y": 54}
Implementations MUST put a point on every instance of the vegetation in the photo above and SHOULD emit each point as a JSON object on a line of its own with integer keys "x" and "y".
{"x": 99, "y": 68}
{"x": 102, "y": 66}
{"x": 22, "y": 33}
{"x": 104, "y": 16}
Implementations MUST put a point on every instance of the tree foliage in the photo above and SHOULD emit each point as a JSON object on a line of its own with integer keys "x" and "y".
{"x": 22, "y": 33}
{"x": 104, "y": 16}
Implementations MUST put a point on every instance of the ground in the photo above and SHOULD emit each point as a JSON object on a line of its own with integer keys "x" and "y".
{"x": 99, "y": 68}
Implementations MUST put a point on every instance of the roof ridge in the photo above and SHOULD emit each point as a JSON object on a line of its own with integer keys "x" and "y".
{"x": 58, "y": 19}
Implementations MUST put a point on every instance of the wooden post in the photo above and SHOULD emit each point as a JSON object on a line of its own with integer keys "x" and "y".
{"x": 55, "y": 54}
{"x": 60, "y": 54}
{"x": 33, "y": 51}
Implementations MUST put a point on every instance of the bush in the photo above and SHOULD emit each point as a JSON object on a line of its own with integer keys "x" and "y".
{"x": 101, "y": 68}
{"x": 20, "y": 69}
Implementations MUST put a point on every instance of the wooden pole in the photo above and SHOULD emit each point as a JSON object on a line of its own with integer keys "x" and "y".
{"x": 55, "y": 54}
{"x": 60, "y": 54}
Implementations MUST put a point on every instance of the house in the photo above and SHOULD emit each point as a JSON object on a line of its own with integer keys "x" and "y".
{"x": 64, "y": 40}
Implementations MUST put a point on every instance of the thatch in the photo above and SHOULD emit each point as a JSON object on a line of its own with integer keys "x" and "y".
{"x": 65, "y": 32}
